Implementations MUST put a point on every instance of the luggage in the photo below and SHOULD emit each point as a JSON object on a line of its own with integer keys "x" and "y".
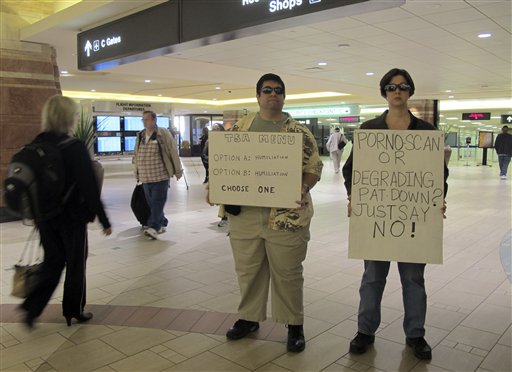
{"x": 140, "y": 206}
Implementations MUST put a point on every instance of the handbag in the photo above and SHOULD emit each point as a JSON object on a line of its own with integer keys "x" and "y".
{"x": 139, "y": 205}
{"x": 27, "y": 275}
{"x": 341, "y": 144}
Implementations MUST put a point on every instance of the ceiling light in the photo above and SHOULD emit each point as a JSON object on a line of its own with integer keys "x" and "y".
{"x": 462, "y": 126}
{"x": 451, "y": 96}
{"x": 147, "y": 81}
{"x": 370, "y": 74}
{"x": 64, "y": 72}
{"x": 218, "y": 88}
{"x": 484, "y": 35}
{"x": 159, "y": 95}
{"x": 93, "y": 90}
{"x": 452, "y": 118}
{"x": 448, "y": 91}
{"x": 322, "y": 63}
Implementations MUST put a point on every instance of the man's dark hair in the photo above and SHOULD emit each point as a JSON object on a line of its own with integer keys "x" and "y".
{"x": 390, "y": 75}
{"x": 153, "y": 115}
{"x": 269, "y": 77}
{"x": 505, "y": 126}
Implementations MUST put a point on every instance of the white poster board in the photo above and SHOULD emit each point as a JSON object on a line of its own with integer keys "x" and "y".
{"x": 255, "y": 168}
{"x": 397, "y": 196}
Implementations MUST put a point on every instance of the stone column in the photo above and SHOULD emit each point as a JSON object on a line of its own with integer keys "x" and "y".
{"x": 28, "y": 77}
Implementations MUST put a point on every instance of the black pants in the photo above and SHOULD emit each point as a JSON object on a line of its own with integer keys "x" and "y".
{"x": 65, "y": 245}
{"x": 205, "y": 165}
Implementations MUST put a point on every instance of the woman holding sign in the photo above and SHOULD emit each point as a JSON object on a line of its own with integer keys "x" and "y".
{"x": 396, "y": 87}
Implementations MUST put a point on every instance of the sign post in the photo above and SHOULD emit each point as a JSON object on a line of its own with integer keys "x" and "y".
{"x": 252, "y": 168}
{"x": 397, "y": 196}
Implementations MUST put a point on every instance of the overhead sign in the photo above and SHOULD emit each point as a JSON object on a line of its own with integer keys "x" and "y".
{"x": 321, "y": 111}
{"x": 180, "y": 24}
{"x": 349, "y": 119}
{"x": 397, "y": 196}
{"x": 258, "y": 169}
{"x": 210, "y": 18}
{"x": 476, "y": 116}
{"x": 506, "y": 119}
{"x": 145, "y": 34}
{"x": 124, "y": 106}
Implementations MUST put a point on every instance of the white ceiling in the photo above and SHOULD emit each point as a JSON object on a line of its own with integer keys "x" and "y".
{"x": 436, "y": 41}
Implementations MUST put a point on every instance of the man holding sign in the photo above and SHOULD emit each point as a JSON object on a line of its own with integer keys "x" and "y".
{"x": 391, "y": 197}
{"x": 269, "y": 243}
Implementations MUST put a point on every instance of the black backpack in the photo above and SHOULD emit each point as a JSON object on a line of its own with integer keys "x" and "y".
{"x": 34, "y": 187}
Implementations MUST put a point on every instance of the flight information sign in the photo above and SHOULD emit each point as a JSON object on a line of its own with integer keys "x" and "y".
{"x": 349, "y": 119}
{"x": 476, "y": 116}
{"x": 145, "y": 34}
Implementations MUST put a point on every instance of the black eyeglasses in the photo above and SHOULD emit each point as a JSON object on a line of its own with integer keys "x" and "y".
{"x": 269, "y": 90}
{"x": 392, "y": 87}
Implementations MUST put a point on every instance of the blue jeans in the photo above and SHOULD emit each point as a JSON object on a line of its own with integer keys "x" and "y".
{"x": 413, "y": 293}
{"x": 156, "y": 195}
{"x": 503, "y": 161}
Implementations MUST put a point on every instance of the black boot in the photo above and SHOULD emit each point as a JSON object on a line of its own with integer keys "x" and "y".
{"x": 360, "y": 343}
{"x": 296, "y": 342}
{"x": 242, "y": 328}
{"x": 422, "y": 349}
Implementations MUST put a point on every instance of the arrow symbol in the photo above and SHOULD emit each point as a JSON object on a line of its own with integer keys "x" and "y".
{"x": 509, "y": 119}
{"x": 88, "y": 48}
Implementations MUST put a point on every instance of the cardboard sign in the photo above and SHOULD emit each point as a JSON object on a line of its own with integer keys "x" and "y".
{"x": 255, "y": 168}
{"x": 397, "y": 196}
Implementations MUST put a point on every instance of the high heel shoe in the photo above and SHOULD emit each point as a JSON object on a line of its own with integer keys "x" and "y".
{"x": 80, "y": 318}
{"x": 28, "y": 319}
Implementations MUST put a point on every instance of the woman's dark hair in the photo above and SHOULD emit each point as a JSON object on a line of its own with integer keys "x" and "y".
{"x": 390, "y": 75}
{"x": 269, "y": 77}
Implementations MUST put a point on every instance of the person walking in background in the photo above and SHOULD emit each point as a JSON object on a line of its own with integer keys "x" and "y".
{"x": 222, "y": 214}
{"x": 396, "y": 86}
{"x": 156, "y": 161}
{"x": 204, "y": 156}
{"x": 270, "y": 244}
{"x": 64, "y": 236}
{"x": 333, "y": 145}
{"x": 503, "y": 147}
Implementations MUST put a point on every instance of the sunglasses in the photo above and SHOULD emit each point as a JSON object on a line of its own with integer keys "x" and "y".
{"x": 269, "y": 90}
{"x": 392, "y": 87}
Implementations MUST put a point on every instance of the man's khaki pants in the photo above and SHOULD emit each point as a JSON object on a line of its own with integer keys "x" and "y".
{"x": 261, "y": 255}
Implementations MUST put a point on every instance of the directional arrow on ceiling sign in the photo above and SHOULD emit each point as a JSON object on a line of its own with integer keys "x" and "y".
{"x": 506, "y": 119}
{"x": 88, "y": 48}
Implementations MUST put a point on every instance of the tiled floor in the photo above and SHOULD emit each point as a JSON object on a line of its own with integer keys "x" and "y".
{"x": 166, "y": 304}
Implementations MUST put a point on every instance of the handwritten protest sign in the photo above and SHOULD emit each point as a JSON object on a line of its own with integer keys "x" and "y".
{"x": 397, "y": 196}
{"x": 258, "y": 169}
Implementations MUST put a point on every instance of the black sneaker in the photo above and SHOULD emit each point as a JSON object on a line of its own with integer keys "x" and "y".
{"x": 422, "y": 350}
{"x": 242, "y": 328}
{"x": 360, "y": 343}
{"x": 296, "y": 342}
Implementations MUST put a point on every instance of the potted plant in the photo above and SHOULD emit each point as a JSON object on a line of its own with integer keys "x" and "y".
{"x": 86, "y": 131}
